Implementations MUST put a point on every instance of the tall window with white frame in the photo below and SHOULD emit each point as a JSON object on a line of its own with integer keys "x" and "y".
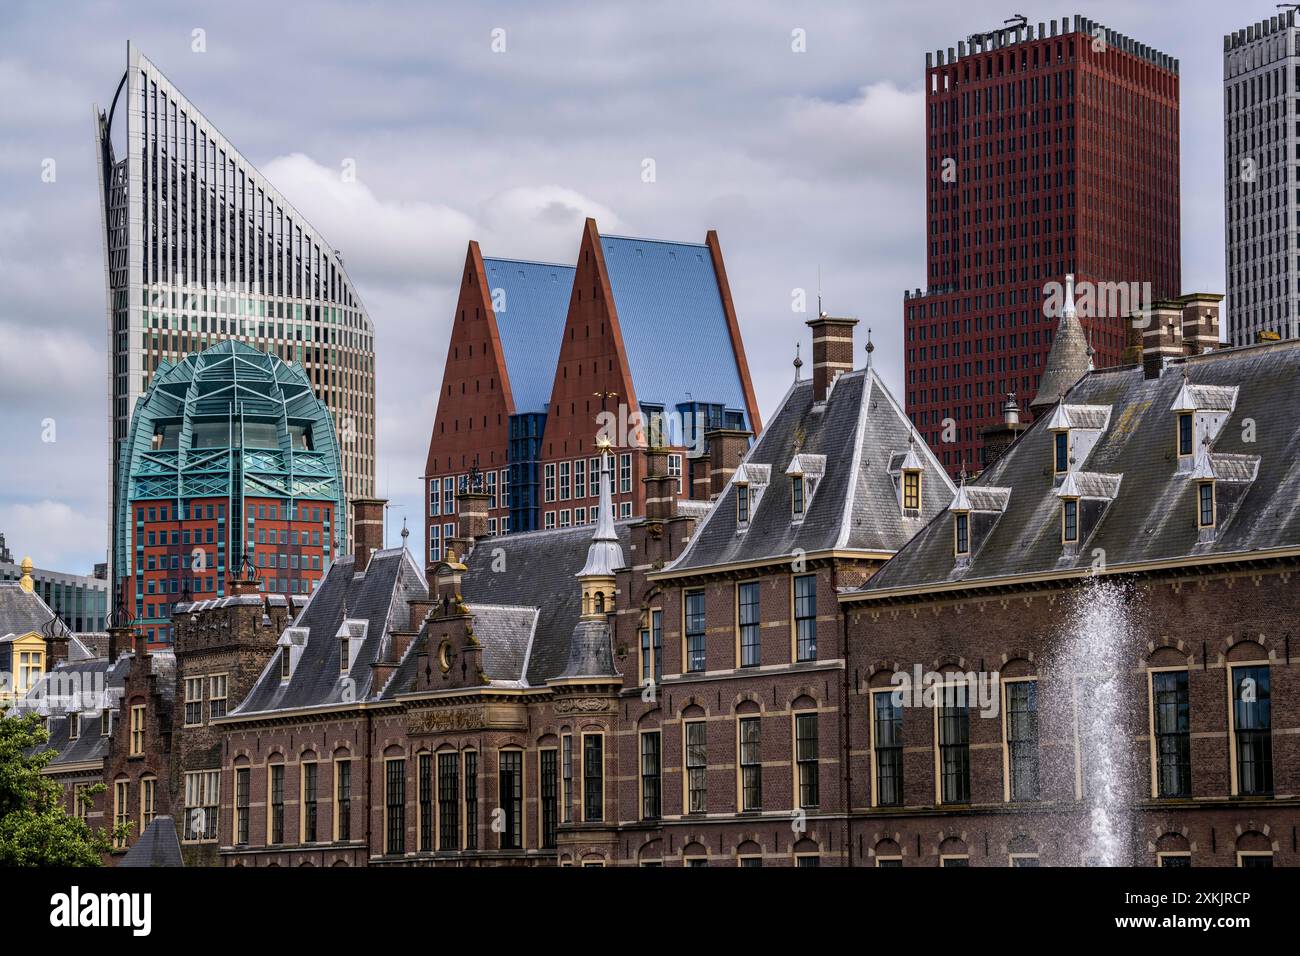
{"x": 652, "y": 638}
{"x": 566, "y": 778}
{"x": 887, "y": 747}
{"x": 953, "y": 732}
{"x": 1172, "y": 738}
{"x": 693, "y": 611}
{"x": 277, "y": 804}
{"x": 805, "y": 617}
{"x": 806, "y": 761}
{"x": 694, "y": 735}
{"x": 1021, "y": 708}
{"x": 651, "y": 775}
{"x": 241, "y": 805}
{"x": 747, "y": 616}
{"x": 1252, "y": 727}
{"x": 750, "y": 739}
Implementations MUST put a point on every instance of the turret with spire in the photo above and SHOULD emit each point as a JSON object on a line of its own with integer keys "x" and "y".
{"x": 1069, "y": 359}
{"x": 604, "y": 555}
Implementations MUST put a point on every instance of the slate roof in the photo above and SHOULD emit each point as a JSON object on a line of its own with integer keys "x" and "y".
{"x": 22, "y": 612}
{"x": 90, "y": 744}
{"x": 525, "y": 615}
{"x": 1152, "y": 517}
{"x": 862, "y": 433}
{"x": 531, "y": 324}
{"x": 158, "y": 845}
{"x": 377, "y": 596}
{"x": 668, "y": 292}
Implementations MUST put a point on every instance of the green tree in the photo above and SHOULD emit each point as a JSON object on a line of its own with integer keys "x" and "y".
{"x": 35, "y": 829}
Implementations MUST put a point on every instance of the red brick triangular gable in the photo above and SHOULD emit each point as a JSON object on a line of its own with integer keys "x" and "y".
{"x": 475, "y": 372}
{"x": 733, "y": 329}
{"x": 592, "y": 359}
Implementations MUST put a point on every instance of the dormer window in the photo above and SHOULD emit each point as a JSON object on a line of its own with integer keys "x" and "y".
{"x": 804, "y": 471}
{"x": 912, "y": 490}
{"x": 1205, "y": 504}
{"x": 1186, "y": 429}
{"x": 344, "y": 658}
{"x": 1070, "y": 521}
{"x": 961, "y": 533}
{"x": 286, "y": 667}
{"x": 1060, "y": 452}
{"x": 742, "y": 504}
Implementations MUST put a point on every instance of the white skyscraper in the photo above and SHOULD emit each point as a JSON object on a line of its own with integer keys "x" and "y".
{"x": 199, "y": 247}
{"x": 1261, "y": 137}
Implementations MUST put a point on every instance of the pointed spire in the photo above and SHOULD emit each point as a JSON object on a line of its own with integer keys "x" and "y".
{"x": 1069, "y": 359}
{"x": 604, "y": 555}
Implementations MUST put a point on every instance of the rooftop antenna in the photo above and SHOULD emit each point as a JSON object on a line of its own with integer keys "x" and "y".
{"x": 820, "y": 313}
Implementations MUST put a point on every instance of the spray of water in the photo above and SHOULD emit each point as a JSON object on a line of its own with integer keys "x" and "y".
{"x": 1091, "y": 666}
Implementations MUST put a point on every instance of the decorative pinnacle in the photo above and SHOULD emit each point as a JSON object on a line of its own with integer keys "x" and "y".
{"x": 870, "y": 348}
{"x": 603, "y": 443}
{"x": 798, "y": 362}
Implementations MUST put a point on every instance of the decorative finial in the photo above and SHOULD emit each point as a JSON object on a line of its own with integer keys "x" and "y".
{"x": 961, "y": 476}
{"x": 26, "y": 582}
{"x": 406, "y": 532}
{"x": 870, "y": 348}
{"x": 798, "y": 362}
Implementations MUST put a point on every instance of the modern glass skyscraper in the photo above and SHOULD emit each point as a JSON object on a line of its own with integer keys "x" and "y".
{"x": 199, "y": 247}
{"x": 1261, "y": 142}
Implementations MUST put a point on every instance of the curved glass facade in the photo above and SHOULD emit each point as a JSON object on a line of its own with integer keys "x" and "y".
{"x": 229, "y": 455}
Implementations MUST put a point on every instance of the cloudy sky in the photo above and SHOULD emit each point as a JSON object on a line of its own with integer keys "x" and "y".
{"x": 799, "y": 160}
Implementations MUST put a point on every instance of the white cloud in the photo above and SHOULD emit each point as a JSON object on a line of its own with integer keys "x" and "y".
{"x": 53, "y": 535}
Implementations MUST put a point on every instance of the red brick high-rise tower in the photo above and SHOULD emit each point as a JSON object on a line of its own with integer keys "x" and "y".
{"x": 1050, "y": 149}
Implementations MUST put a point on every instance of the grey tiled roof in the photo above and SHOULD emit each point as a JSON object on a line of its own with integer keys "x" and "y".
{"x": 1153, "y": 516}
{"x": 158, "y": 845}
{"x": 91, "y": 744}
{"x": 22, "y": 612}
{"x": 377, "y": 596}
{"x": 535, "y": 591}
{"x": 863, "y": 435}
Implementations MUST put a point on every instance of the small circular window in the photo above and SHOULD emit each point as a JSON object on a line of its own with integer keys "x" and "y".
{"x": 444, "y": 656}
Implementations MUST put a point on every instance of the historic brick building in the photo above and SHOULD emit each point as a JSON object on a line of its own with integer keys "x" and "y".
{"x": 1049, "y": 150}
{"x": 639, "y": 329}
{"x": 1123, "y": 578}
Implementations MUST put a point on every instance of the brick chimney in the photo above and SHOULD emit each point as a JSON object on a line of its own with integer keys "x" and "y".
{"x": 1201, "y": 322}
{"x": 832, "y": 351}
{"x": 471, "y": 515}
{"x": 660, "y": 490}
{"x": 1162, "y": 340}
{"x": 727, "y": 446}
{"x": 367, "y": 529}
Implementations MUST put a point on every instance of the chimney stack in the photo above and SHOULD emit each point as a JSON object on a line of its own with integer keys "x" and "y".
{"x": 832, "y": 351}
{"x": 727, "y": 446}
{"x": 660, "y": 490}
{"x": 1162, "y": 340}
{"x": 471, "y": 514}
{"x": 1201, "y": 322}
{"x": 367, "y": 530}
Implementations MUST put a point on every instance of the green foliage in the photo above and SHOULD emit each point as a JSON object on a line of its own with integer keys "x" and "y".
{"x": 35, "y": 829}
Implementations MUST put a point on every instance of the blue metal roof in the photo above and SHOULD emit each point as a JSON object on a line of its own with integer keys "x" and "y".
{"x": 533, "y": 304}
{"x": 674, "y": 328}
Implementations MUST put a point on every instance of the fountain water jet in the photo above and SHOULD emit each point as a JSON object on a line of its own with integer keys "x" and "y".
{"x": 1091, "y": 669}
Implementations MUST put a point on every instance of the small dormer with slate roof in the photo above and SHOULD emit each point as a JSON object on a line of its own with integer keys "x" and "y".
{"x": 805, "y": 473}
{"x": 1199, "y": 413}
{"x": 351, "y": 637}
{"x": 908, "y": 471}
{"x": 750, "y": 481}
{"x": 975, "y": 511}
{"x": 1085, "y": 496}
{"x": 1221, "y": 482}
{"x": 1075, "y": 430}
{"x": 291, "y": 644}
